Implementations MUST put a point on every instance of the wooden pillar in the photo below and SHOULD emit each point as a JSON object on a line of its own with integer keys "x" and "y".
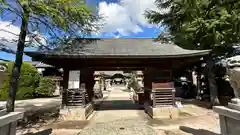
{"x": 90, "y": 84}
{"x": 147, "y": 85}
{"x": 190, "y": 77}
{"x": 65, "y": 87}
{"x": 86, "y": 77}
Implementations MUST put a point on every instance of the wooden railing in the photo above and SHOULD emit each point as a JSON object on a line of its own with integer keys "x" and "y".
{"x": 163, "y": 96}
{"x": 75, "y": 97}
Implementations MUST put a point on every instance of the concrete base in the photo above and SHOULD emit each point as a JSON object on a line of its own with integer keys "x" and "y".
{"x": 164, "y": 112}
{"x": 229, "y": 120}
{"x": 8, "y": 122}
{"x": 77, "y": 113}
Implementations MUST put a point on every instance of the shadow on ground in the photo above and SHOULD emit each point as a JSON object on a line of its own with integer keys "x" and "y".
{"x": 202, "y": 104}
{"x": 206, "y": 104}
{"x": 70, "y": 125}
{"x": 196, "y": 131}
{"x": 44, "y": 132}
{"x": 118, "y": 105}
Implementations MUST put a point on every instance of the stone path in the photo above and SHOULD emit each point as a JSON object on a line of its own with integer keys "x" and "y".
{"x": 117, "y": 105}
{"x": 118, "y": 115}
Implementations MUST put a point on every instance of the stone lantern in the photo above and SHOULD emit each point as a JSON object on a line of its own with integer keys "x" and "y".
{"x": 97, "y": 81}
{"x": 140, "y": 78}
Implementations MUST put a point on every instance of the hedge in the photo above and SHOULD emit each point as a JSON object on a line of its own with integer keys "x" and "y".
{"x": 46, "y": 87}
{"x": 31, "y": 83}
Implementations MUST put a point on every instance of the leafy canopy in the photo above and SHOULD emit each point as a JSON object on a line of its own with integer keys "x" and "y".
{"x": 199, "y": 24}
{"x": 56, "y": 18}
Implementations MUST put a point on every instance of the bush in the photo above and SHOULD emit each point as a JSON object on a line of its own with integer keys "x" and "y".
{"x": 46, "y": 87}
{"x": 28, "y": 81}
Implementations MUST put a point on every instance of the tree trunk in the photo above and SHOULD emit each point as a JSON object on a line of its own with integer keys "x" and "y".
{"x": 13, "y": 84}
{"x": 212, "y": 82}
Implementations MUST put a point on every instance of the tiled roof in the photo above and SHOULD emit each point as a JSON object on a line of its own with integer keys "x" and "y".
{"x": 111, "y": 47}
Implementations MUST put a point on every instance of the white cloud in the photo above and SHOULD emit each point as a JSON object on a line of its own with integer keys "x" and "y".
{"x": 125, "y": 17}
{"x": 9, "y": 35}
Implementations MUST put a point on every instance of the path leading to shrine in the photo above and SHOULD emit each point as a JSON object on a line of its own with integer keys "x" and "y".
{"x": 116, "y": 105}
{"x": 118, "y": 115}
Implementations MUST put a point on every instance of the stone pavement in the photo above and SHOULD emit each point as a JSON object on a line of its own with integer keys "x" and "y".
{"x": 118, "y": 115}
{"x": 117, "y": 105}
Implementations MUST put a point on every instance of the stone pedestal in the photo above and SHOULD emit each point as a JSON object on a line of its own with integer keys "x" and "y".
{"x": 77, "y": 113}
{"x": 229, "y": 117}
{"x": 164, "y": 112}
{"x": 8, "y": 122}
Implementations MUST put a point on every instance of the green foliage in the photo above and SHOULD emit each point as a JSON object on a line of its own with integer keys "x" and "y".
{"x": 55, "y": 18}
{"x": 46, "y": 88}
{"x": 31, "y": 84}
{"x": 28, "y": 81}
{"x": 63, "y": 13}
{"x": 71, "y": 18}
{"x": 199, "y": 24}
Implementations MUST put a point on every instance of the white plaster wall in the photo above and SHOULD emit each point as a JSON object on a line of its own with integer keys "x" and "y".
{"x": 74, "y": 79}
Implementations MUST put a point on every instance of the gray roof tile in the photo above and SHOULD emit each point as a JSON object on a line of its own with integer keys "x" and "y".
{"x": 122, "y": 47}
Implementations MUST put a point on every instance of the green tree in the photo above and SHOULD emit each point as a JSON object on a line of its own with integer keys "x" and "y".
{"x": 28, "y": 81}
{"x": 46, "y": 87}
{"x": 59, "y": 18}
{"x": 200, "y": 24}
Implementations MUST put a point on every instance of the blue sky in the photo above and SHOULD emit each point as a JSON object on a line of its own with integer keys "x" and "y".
{"x": 122, "y": 19}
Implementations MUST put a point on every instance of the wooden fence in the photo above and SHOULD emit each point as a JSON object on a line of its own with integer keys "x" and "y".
{"x": 75, "y": 97}
{"x": 163, "y": 96}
